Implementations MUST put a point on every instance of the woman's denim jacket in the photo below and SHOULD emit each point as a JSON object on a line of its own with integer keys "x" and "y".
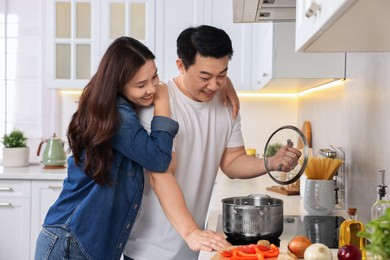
{"x": 102, "y": 216}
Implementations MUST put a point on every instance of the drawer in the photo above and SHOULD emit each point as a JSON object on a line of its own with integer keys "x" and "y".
{"x": 15, "y": 188}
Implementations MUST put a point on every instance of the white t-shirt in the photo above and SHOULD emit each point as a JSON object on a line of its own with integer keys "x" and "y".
{"x": 205, "y": 130}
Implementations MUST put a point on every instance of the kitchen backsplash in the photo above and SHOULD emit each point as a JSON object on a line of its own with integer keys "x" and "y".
{"x": 356, "y": 118}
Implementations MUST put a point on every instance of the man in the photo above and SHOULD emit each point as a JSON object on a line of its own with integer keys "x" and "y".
{"x": 209, "y": 138}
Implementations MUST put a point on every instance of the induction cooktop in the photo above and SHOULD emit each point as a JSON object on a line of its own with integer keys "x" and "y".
{"x": 319, "y": 229}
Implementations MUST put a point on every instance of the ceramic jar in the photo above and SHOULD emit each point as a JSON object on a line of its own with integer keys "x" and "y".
{"x": 319, "y": 197}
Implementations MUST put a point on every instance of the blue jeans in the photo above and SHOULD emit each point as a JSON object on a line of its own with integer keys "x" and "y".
{"x": 57, "y": 243}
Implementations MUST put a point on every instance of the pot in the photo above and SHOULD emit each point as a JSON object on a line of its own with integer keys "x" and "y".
{"x": 252, "y": 218}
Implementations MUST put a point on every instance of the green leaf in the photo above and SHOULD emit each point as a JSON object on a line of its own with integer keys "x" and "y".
{"x": 15, "y": 139}
{"x": 272, "y": 149}
{"x": 378, "y": 234}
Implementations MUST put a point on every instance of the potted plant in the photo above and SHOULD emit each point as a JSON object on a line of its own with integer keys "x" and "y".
{"x": 378, "y": 234}
{"x": 16, "y": 153}
{"x": 272, "y": 149}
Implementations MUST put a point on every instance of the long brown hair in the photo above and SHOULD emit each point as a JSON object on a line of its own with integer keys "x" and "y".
{"x": 97, "y": 119}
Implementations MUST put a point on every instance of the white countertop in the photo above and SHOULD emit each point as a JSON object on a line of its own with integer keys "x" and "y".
{"x": 32, "y": 172}
{"x": 225, "y": 187}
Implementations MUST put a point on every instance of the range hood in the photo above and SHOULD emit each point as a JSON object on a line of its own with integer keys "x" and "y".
{"x": 254, "y": 11}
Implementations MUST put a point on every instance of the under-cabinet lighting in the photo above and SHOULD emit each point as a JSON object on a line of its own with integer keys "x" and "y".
{"x": 71, "y": 92}
{"x": 291, "y": 95}
{"x": 257, "y": 94}
{"x": 321, "y": 87}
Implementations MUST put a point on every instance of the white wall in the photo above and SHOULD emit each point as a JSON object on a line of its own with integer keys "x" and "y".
{"x": 356, "y": 118}
{"x": 25, "y": 102}
{"x": 261, "y": 116}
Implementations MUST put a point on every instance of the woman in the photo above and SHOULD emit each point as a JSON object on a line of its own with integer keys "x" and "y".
{"x": 96, "y": 210}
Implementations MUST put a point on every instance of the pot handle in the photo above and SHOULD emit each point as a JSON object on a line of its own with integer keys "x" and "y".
{"x": 259, "y": 195}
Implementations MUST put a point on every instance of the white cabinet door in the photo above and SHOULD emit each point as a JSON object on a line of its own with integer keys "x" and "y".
{"x": 282, "y": 70}
{"x": 220, "y": 15}
{"x": 312, "y": 17}
{"x": 172, "y": 17}
{"x": 263, "y": 54}
{"x": 14, "y": 219}
{"x": 79, "y": 32}
{"x": 134, "y": 18}
{"x": 342, "y": 26}
{"x": 72, "y": 42}
{"x": 43, "y": 195}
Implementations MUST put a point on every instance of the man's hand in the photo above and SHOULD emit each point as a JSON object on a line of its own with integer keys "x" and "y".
{"x": 229, "y": 96}
{"x": 285, "y": 159}
{"x": 206, "y": 240}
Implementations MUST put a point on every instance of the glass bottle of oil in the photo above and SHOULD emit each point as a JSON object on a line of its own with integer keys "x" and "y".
{"x": 381, "y": 204}
{"x": 348, "y": 232}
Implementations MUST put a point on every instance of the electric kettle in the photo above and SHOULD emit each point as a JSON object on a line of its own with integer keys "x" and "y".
{"x": 54, "y": 155}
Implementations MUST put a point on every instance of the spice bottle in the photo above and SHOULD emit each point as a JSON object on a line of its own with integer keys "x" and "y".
{"x": 348, "y": 232}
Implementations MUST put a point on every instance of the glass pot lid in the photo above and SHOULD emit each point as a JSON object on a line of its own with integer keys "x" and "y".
{"x": 292, "y": 136}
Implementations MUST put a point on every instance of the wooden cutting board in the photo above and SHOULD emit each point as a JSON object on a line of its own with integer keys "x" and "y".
{"x": 283, "y": 190}
{"x": 306, "y": 130}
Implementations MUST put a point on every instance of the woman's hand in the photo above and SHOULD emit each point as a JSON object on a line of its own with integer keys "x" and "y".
{"x": 229, "y": 96}
{"x": 161, "y": 101}
{"x": 206, "y": 240}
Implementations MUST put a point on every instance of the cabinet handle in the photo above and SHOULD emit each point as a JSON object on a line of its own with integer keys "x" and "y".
{"x": 313, "y": 8}
{"x": 6, "y": 189}
{"x": 5, "y": 204}
{"x": 54, "y": 187}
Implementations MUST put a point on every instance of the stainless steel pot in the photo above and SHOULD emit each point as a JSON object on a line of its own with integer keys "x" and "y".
{"x": 252, "y": 218}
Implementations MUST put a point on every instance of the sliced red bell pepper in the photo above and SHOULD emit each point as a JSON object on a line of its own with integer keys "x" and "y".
{"x": 226, "y": 253}
{"x": 262, "y": 248}
{"x": 248, "y": 249}
{"x": 273, "y": 252}
{"x": 237, "y": 255}
{"x": 251, "y": 252}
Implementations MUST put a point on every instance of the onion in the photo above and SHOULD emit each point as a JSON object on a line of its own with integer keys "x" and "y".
{"x": 298, "y": 245}
{"x": 318, "y": 251}
{"x": 349, "y": 252}
{"x": 264, "y": 242}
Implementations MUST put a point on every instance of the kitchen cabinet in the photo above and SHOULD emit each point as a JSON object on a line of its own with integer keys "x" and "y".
{"x": 43, "y": 194}
{"x": 23, "y": 207}
{"x": 243, "y": 63}
{"x": 168, "y": 29}
{"x": 79, "y": 32}
{"x": 282, "y": 70}
{"x": 342, "y": 26}
{"x": 15, "y": 219}
{"x": 72, "y": 42}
